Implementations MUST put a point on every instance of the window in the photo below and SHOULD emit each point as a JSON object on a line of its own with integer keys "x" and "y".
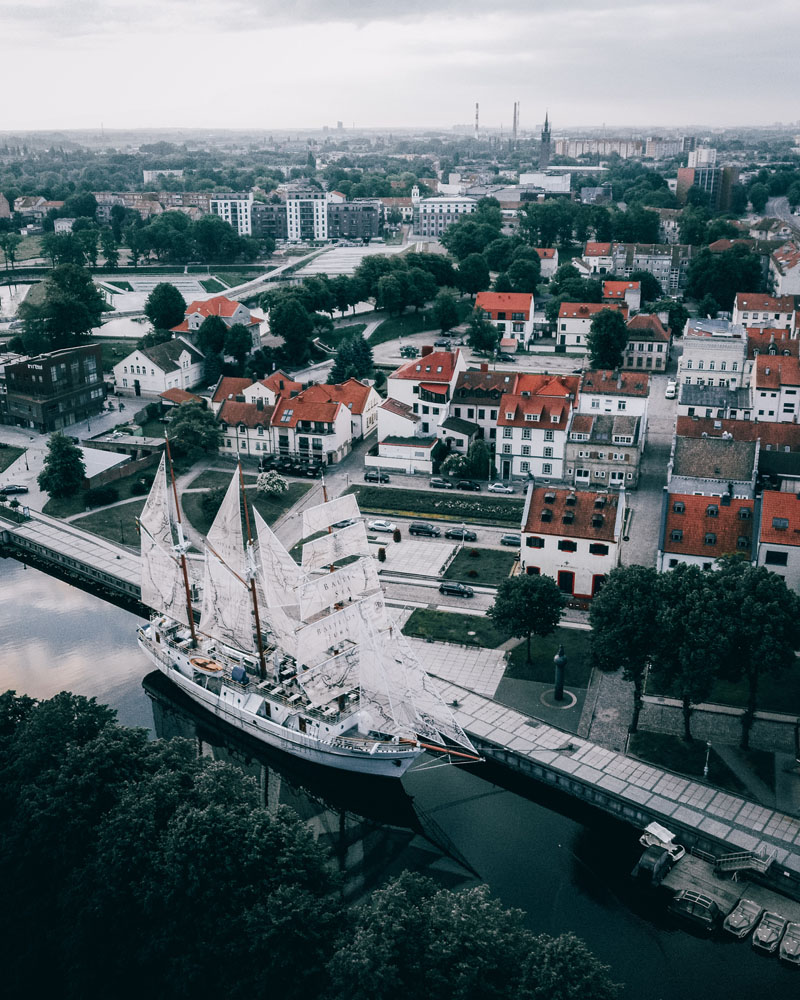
{"x": 595, "y": 404}
{"x": 548, "y": 453}
{"x": 688, "y": 362}
{"x": 547, "y": 469}
{"x": 526, "y": 433}
{"x": 567, "y": 545}
{"x": 773, "y": 558}
{"x": 742, "y": 542}
{"x": 548, "y": 435}
{"x": 524, "y": 466}
{"x": 676, "y": 535}
{"x": 780, "y": 523}
{"x": 598, "y": 549}
{"x": 700, "y": 365}
{"x": 526, "y": 449}
{"x": 679, "y": 507}
{"x": 621, "y": 404}
{"x": 506, "y": 449}
{"x": 710, "y": 538}
{"x": 712, "y": 510}
{"x": 533, "y": 542}
{"x": 507, "y": 432}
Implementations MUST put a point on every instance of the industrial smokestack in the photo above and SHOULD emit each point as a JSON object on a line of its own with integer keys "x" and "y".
{"x": 476, "y": 120}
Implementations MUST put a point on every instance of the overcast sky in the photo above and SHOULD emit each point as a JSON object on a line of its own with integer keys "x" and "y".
{"x": 282, "y": 64}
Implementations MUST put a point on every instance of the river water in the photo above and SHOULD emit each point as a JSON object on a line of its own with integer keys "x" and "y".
{"x": 565, "y": 865}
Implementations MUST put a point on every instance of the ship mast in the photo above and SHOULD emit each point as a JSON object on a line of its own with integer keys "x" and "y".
{"x": 262, "y": 666}
{"x": 181, "y": 544}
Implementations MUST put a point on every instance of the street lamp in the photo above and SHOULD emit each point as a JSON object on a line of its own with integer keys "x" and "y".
{"x": 560, "y": 660}
{"x": 708, "y": 754}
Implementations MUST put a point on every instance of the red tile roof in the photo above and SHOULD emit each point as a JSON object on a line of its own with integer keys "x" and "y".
{"x": 280, "y": 383}
{"x": 230, "y": 386}
{"x": 597, "y": 250}
{"x": 318, "y": 411}
{"x": 780, "y": 506}
{"x": 761, "y": 338}
{"x": 616, "y": 383}
{"x": 787, "y": 257}
{"x": 695, "y": 524}
{"x": 180, "y": 396}
{"x": 434, "y": 387}
{"x": 220, "y": 305}
{"x": 582, "y": 310}
{"x": 494, "y": 302}
{"x": 617, "y": 289}
{"x": 773, "y": 436}
{"x": 438, "y": 366}
{"x": 545, "y": 253}
{"x": 590, "y": 521}
{"x": 547, "y": 413}
{"x": 352, "y": 393}
{"x": 472, "y": 381}
{"x": 249, "y": 414}
{"x": 773, "y": 371}
{"x": 542, "y": 384}
{"x": 764, "y": 303}
{"x": 400, "y": 409}
{"x": 647, "y": 326}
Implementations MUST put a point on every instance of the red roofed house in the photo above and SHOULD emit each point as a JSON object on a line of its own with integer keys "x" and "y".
{"x": 229, "y": 312}
{"x": 511, "y": 313}
{"x": 599, "y": 257}
{"x": 268, "y": 390}
{"x": 784, "y": 266}
{"x": 697, "y": 530}
{"x": 614, "y": 392}
{"x": 773, "y": 436}
{"x": 768, "y": 340}
{"x": 246, "y": 427}
{"x": 549, "y": 258}
{"x": 648, "y": 343}
{"x": 573, "y": 537}
{"x": 314, "y": 427}
{"x": 629, "y": 292}
{"x": 361, "y": 400}
{"x": 755, "y": 309}
{"x": 776, "y": 388}
{"x": 575, "y": 321}
{"x": 778, "y": 535}
{"x": 532, "y": 426}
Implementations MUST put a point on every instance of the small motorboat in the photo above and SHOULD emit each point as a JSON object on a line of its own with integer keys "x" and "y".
{"x": 742, "y": 918}
{"x": 790, "y": 944}
{"x": 767, "y": 935}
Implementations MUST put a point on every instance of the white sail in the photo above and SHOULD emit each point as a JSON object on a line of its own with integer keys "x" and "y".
{"x": 315, "y": 641}
{"x": 338, "y": 545}
{"x": 326, "y": 514}
{"x": 227, "y": 602}
{"x": 347, "y": 584}
{"x": 162, "y": 583}
{"x": 331, "y": 679}
{"x": 281, "y": 576}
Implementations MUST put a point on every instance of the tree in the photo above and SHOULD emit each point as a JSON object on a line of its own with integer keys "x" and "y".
{"x": 69, "y": 309}
{"x": 607, "y": 338}
{"x": 389, "y": 294}
{"x": 271, "y": 484}
{"x": 289, "y": 319}
{"x": 353, "y": 360}
{"x": 194, "y": 431}
{"x": 9, "y": 244}
{"x": 623, "y": 617}
{"x": 502, "y": 283}
{"x": 524, "y": 274}
{"x": 478, "y": 464}
{"x": 108, "y": 245}
{"x": 62, "y": 248}
{"x": 650, "y": 286}
{"x": 526, "y": 606}
{"x": 758, "y": 195}
{"x": 165, "y": 306}
{"x": 482, "y": 334}
{"x": 211, "y": 335}
{"x": 64, "y": 470}
{"x": 762, "y": 619}
{"x": 708, "y": 306}
{"x": 238, "y": 343}
{"x": 724, "y": 274}
{"x": 213, "y": 365}
{"x": 445, "y": 310}
{"x": 473, "y": 274}
{"x": 421, "y": 287}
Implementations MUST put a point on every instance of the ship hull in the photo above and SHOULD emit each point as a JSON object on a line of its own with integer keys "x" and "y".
{"x": 380, "y": 762}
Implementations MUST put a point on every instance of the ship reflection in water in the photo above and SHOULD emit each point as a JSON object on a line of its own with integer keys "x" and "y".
{"x": 371, "y": 826}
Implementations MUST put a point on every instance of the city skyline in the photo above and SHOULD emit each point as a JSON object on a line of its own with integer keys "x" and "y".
{"x": 257, "y": 65}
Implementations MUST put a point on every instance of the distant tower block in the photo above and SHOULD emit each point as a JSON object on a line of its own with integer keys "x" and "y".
{"x": 477, "y": 130}
{"x": 545, "y": 147}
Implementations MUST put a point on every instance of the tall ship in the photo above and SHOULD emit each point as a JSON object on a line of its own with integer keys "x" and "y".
{"x": 301, "y": 656}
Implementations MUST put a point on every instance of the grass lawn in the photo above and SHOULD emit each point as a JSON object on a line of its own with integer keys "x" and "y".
{"x": 541, "y": 668}
{"x": 672, "y": 752}
{"x": 443, "y": 626}
{"x": 775, "y": 694}
{"x": 31, "y": 246}
{"x": 269, "y": 508}
{"x": 403, "y": 326}
{"x": 8, "y": 455}
{"x": 213, "y": 285}
{"x": 437, "y": 505}
{"x": 67, "y": 506}
{"x": 485, "y": 566}
{"x": 123, "y": 286}
{"x": 333, "y": 338}
{"x": 153, "y": 428}
{"x": 114, "y": 350}
{"x": 117, "y": 524}
{"x": 210, "y": 480}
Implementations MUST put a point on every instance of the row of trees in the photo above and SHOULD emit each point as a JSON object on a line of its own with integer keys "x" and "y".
{"x": 691, "y": 627}
{"x": 62, "y": 312}
{"x": 160, "y": 873}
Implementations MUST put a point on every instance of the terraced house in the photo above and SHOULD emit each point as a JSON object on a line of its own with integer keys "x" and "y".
{"x": 532, "y": 427}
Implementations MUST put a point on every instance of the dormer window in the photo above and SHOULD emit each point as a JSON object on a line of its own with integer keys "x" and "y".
{"x": 549, "y": 498}
{"x": 742, "y": 542}
{"x": 679, "y": 507}
{"x": 780, "y": 523}
{"x": 676, "y": 535}
{"x": 710, "y": 538}
{"x": 571, "y": 500}
{"x": 547, "y": 515}
{"x": 597, "y": 520}
{"x": 712, "y": 510}
{"x": 744, "y": 513}
{"x": 509, "y": 415}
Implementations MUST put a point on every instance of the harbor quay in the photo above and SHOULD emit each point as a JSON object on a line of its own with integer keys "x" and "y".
{"x": 701, "y": 816}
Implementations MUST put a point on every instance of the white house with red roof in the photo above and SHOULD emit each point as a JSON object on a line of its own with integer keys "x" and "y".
{"x": 229, "y": 312}
{"x": 629, "y": 292}
{"x": 572, "y": 536}
{"x": 778, "y": 536}
{"x": 775, "y": 385}
{"x": 149, "y": 371}
{"x": 648, "y": 343}
{"x": 784, "y": 266}
{"x": 549, "y": 260}
{"x": 714, "y": 354}
{"x": 575, "y": 322}
{"x": 511, "y": 313}
{"x": 360, "y": 399}
{"x": 268, "y": 390}
{"x": 753, "y": 309}
{"x": 532, "y": 426}
{"x": 599, "y": 257}
{"x": 427, "y": 385}
{"x": 312, "y": 426}
{"x": 402, "y": 446}
{"x": 603, "y": 391}
{"x": 246, "y": 428}
{"x": 698, "y": 530}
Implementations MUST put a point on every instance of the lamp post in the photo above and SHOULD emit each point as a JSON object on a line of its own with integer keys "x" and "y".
{"x": 708, "y": 754}
{"x": 560, "y": 660}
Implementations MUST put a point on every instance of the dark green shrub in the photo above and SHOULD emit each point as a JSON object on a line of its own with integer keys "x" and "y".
{"x": 101, "y": 495}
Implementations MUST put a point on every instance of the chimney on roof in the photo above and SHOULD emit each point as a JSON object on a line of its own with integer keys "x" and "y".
{"x": 426, "y": 351}
{"x": 484, "y": 366}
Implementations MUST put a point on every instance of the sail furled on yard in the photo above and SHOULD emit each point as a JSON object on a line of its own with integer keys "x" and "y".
{"x": 162, "y": 582}
{"x": 325, "y": 515}
{"x": 280, "y": 574}
{"x": 227, "y": 603}
{"x": 346, "y": 584}
{"x": 338, "y": 545}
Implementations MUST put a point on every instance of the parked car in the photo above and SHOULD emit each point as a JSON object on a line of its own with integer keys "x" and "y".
{"x": 694, "y": 906}
{"x": 409, "y": 352}
{"x": 344, "y": 524}
{"x": 13, "y": 488}
{"x": 375, "y": 476}
{"x": 790, "y": 944}
{"x": 455, "y": 589}
{"x": 672, "y": 389}
{"x": 468, "y": 484}
{"x": 440, "y": 484}
{"x": 769, "y": 932}
{"x": 506, "y": 357}
{"x": 742, "y": 918}
{"x": 441, "y": 342}
{"x": 500, "y": 488}
{"x": 461, "y": 534}
{"x": 423, "y": 528}
{"x": 381, "y": 525}
{"x": 514, "y": 540}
